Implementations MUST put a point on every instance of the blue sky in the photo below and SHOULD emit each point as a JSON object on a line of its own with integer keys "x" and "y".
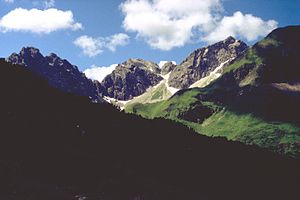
{"x": 105, "y": 32}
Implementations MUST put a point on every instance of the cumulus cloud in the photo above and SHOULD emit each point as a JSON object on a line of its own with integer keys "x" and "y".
{"x": 90, "y": 46}
{"x": 247, "y": 27}
{"x": 99, "y": 73}
{"x": 116, "y": 40}
{"x": 166, "y": 24}
{"x": 94, "y": 46}
{"x": 38, "y": 21}
{"x": 49, "y": 3}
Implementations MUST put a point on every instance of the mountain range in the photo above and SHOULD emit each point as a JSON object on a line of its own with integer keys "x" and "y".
{"x": 219, "y": 90}
{"x": 131, "y": 78}
{"x": 170, "y": 78}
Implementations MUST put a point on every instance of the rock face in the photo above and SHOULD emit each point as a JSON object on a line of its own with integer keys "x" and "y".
{"x": 168, "y": 67}
{"x": 131, "y": 78}
{"x": 201, "y": 62}
{"x": 58, "y": 72}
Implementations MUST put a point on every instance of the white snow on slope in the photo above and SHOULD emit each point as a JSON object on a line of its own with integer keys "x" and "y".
{"x": 211, "y": 77}
{"x": 172, "y": 90}
{"x": 121, "y": 104}
{"x": 146, "y": 97}
{"x": 205, "y": 52}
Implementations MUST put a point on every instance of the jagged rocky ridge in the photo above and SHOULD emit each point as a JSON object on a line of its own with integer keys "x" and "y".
{"x": 131, "y": 78}
{"x": 167, "y": 67}
{"x": 58, "y": 72}
{"x": 205, "y": 60}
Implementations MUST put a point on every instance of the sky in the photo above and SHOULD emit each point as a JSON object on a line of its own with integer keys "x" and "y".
{"x": 97, "y": 34}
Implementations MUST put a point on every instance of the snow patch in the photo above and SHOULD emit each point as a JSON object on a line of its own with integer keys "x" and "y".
{"x": 211, "y": 77}
{"x": 236, "y": 43}
{"x": 205, "y": 52}
{"x": 172, "y": 90}
{"x": 121, "y": 104}
{"x": 145, "y": 96}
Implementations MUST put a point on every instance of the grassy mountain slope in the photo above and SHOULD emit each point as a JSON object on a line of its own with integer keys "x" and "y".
{"x": 157, "y": 93}
{"x": 255, "y": 101}
{"x": 216, "y": 120}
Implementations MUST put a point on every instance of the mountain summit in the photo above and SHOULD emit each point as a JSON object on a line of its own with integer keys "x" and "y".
{"x": 58, "y": 72}
{"x": 202, "y": 62}
{"x": 131, "y": 78}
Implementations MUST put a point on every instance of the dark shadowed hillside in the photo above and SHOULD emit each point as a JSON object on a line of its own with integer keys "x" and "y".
{"x": 58, "y": 146}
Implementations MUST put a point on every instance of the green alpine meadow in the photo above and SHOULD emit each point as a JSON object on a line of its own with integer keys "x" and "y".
{"x": 253, "y": 101}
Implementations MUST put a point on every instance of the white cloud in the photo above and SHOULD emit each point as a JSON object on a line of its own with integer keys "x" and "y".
{"x": 38, "y": 21}
{"x": 94, "y": 46}
{"x": 116, "y": 40}
{"x": 166, "y": 24}
{"x": 243, "y": 26}
{"x": 162, "y": 63}
{"x": 49, "y": 3}
{"x": 99, "y": 73}
{"x": 90, "y": 46}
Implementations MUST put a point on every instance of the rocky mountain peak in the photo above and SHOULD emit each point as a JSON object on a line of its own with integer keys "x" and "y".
{"x": 131, "y": 78}
{"x": 167, "y": 67}
{"x": 28, "y": 56}
{"x": 141, "y": 64}
{"x": 32, "y": 51}
{"x": 230, "y": 40}
{"x": 202, "y": 62}
{"x": 58, "y": 72}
